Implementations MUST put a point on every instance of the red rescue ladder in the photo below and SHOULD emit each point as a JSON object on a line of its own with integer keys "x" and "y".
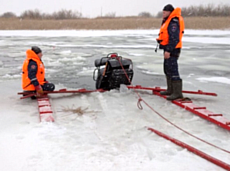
{"x": 28, "y": 94}
{"x": 193, "y": 150}
{"x": 215, "y": 118}
{"x": 45, "y": 110}
{"x": 44, "y": 106}
{"x": 158, "y": 89}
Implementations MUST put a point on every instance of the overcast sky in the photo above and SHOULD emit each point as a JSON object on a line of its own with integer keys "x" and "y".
{"x": 94, "y": 8}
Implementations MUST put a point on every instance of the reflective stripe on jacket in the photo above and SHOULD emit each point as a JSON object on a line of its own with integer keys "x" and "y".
{"x": 26, "y": 82}
{"x": 163, "y": 38}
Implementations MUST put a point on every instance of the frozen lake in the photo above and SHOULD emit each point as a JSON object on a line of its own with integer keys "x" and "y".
{"x": 107, "y": 138}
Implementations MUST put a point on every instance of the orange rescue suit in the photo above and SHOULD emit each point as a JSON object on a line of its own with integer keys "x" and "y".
{"x": 26, "y": 82}
{"x": 163, "y": 38}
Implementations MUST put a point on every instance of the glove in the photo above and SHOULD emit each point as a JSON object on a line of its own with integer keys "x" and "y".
{"x": 45, "y": 81}
{"x": 159, "y": 41}
{"x": 39, "y": 90}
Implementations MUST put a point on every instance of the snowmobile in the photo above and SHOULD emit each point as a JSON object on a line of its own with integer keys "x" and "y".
{"x": 112, "y": 71}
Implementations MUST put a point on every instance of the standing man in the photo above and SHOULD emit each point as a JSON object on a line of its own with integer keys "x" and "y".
{"x": 170, "y": 40}
{"x": 33, "y": 73}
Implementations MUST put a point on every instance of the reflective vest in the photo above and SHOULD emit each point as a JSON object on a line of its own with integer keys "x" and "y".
{"x": 26, "y": 82}
{"x": 163, "y": 38}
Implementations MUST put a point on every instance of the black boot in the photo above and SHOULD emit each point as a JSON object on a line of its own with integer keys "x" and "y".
{"x": 177, "y": 90}
{"x": 169, "y": 87}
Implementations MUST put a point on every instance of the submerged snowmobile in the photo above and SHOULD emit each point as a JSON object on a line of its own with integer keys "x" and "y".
{"x": 112, "y": 71}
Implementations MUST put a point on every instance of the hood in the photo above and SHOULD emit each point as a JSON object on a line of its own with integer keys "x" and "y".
{"x": 176, "y": 12}
{"x": 31, "y": 54}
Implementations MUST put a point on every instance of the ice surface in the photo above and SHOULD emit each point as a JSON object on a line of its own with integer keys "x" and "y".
{"x": 111, "y": 134}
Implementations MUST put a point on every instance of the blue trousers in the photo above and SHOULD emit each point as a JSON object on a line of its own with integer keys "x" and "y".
{"x": 171, "y": 68}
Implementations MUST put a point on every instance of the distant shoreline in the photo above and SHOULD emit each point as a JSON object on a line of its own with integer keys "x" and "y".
{"x": 124, "y": 23}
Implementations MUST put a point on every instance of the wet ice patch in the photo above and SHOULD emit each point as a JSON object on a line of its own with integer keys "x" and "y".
{"x": 65, "y": 52}
{"x": 67, "y": 59}
{"x": 123, "y": 88}
{"x": 83, "y": 54}
{"x": 87, "y": 71}
{"x": 151, "y": 68}
{"x": 216, "y": 79}
{"x": 207, "y": 40}
{"x": 150, "y": 73}
{"x": 215, "y": 68}
{"x": 8, "y": 76}
{"x": 48, "y": 70}
{"x": 136, "y": 54}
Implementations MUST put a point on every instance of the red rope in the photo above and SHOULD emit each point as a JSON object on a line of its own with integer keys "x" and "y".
{"x": 184, "y": 130}
{"x": 140, "y": 107}
{"x": 139, "y": 104}
{"x": 139, "y": 97}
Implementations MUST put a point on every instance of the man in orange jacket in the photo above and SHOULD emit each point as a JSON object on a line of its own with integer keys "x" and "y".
{"x": 33, "y": 73}
{"x": 170, "y": 40}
